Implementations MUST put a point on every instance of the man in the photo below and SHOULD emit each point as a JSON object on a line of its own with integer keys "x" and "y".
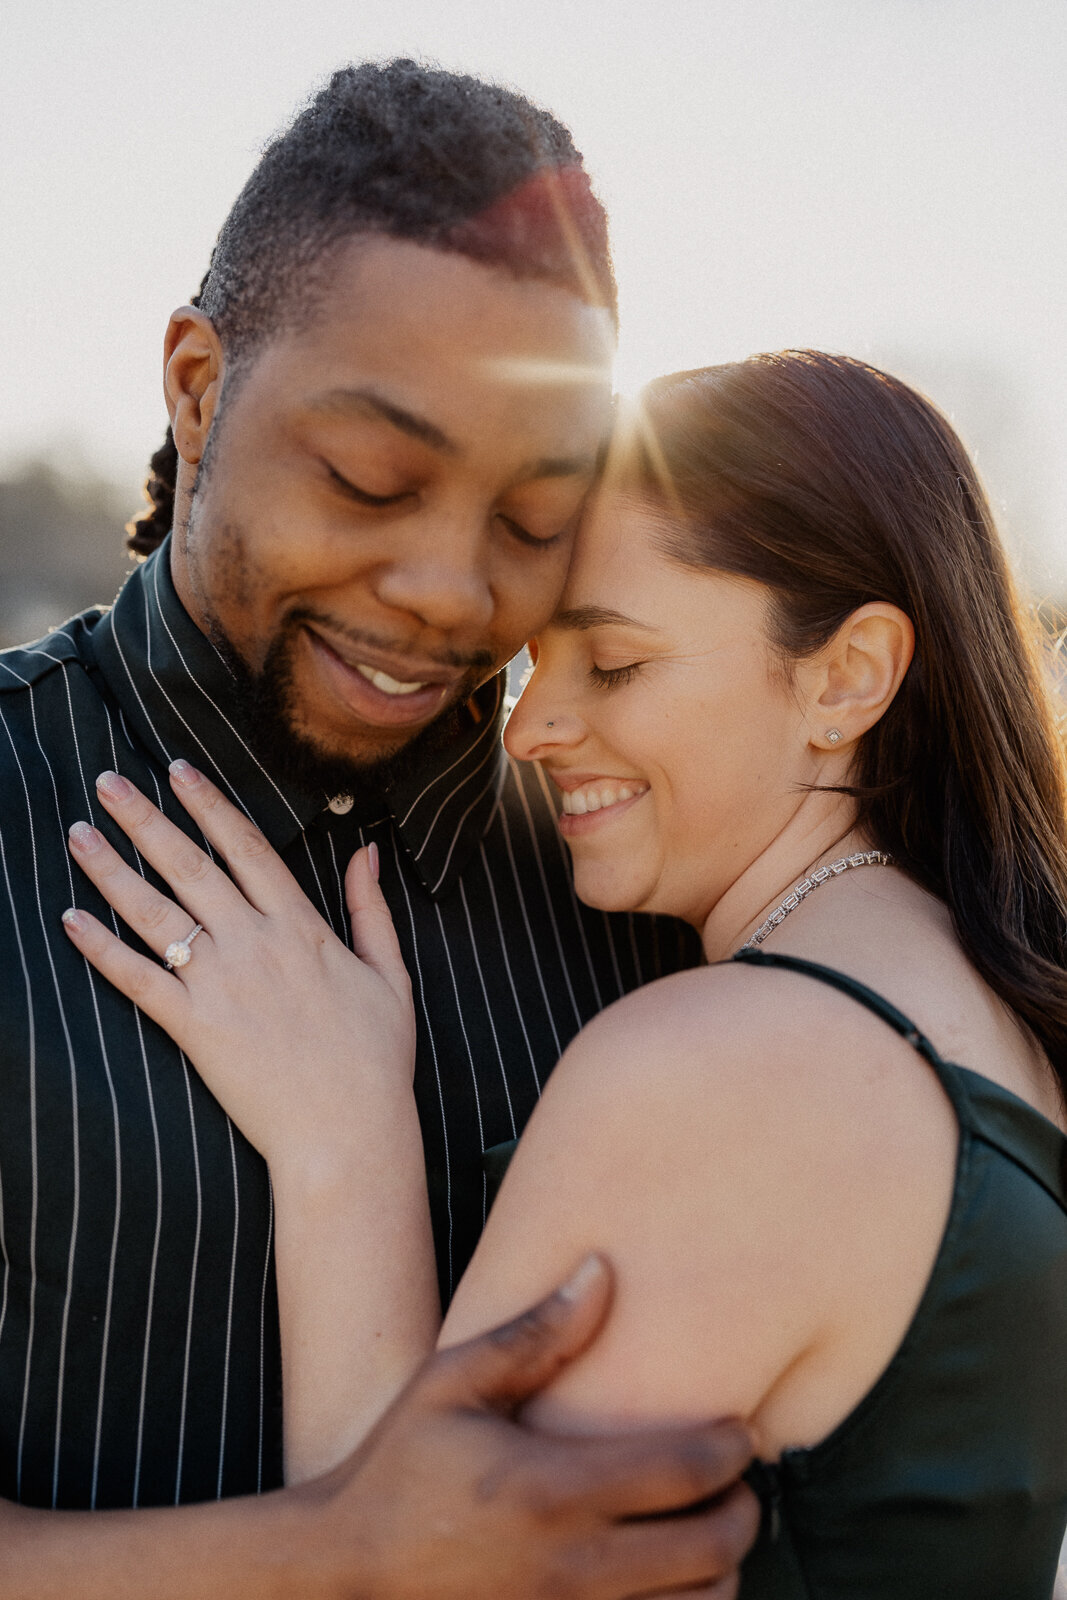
{"x": 386, "y": 412}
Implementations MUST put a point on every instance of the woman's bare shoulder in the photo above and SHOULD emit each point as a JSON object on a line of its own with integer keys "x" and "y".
{"x": 716, "y": 1035}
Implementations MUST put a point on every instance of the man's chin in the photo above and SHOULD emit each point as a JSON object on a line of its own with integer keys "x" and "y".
{"x": 296, "y": 756}
{"x": 296, "y": 753}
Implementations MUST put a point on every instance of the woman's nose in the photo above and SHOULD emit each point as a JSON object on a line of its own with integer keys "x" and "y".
{"x": 541, "y": 722}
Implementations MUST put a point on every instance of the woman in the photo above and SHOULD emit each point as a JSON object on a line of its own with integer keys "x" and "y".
{"x": 787, "y": 697}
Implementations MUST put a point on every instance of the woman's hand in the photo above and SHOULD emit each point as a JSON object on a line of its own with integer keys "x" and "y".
{"x": 286, "y": 1026}
{"x": 311, "y": 1051}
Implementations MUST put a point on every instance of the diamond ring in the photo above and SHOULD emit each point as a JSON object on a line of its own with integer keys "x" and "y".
{"x": 178, "y": 953}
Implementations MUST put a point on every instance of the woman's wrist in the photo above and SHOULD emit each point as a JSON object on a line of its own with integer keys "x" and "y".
{"x": 321, "y": 1165}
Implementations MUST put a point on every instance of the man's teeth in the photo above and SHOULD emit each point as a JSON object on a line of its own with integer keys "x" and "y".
{"x": 598, "y": 796}
{"x": 388, "y": 685}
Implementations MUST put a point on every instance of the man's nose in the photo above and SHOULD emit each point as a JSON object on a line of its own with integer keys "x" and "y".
{"x": 443, "y": 579}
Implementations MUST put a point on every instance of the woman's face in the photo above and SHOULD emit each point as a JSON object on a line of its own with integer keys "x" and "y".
{"x": 659, "y": 708}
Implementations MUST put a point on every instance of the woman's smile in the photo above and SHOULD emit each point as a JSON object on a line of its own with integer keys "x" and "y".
{"x": 591, "y": 802}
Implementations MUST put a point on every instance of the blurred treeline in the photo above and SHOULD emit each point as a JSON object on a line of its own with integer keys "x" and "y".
{"x": 62, "y": 546}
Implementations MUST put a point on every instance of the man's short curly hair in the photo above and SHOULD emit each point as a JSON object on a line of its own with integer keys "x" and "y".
{"x": 406, "y": 152}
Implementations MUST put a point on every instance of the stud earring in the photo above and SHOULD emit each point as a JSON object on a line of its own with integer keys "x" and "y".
{"x": 550, "y": 724}
{"x": 833, "y": 735}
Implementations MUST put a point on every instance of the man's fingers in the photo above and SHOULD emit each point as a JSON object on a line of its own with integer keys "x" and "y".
{"x": 504, "y": 1367}
{"x": 647, "y": 1474}
{"x": 680, "y": 1553}
{"x": 373, "y": 935}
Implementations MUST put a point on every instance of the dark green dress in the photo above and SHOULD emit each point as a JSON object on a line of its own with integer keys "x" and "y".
{"x": 949, "y": 1479}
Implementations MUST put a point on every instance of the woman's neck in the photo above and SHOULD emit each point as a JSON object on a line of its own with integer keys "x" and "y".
{"x": 821, "y": 829}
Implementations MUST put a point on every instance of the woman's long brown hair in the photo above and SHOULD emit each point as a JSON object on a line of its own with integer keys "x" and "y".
{"x": 835, "y": 484}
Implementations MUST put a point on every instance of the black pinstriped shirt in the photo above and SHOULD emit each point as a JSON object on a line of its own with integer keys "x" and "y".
{"x": 139, "y": 1347}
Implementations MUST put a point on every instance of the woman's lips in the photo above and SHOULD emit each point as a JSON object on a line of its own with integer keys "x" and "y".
{"x": 366, "y": 699}
{"x": 597, "y": 802}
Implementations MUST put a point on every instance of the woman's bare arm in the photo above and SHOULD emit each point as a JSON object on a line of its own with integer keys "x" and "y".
{"x": 757, "y": 1157}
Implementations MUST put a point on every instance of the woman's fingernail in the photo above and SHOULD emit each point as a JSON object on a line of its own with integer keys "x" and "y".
{"x": 84, "y": 837}
{"x": 111, "y": 784}
{"x": 372, "y": 857}
{"x": 185, "y": 773}
{"x": 575, "y": 1287}
{"x": 75, "y": 920}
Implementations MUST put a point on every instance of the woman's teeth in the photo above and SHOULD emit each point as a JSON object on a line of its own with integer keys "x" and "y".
{"x": 388, "y": 685}
{"x": 598, "y": 796}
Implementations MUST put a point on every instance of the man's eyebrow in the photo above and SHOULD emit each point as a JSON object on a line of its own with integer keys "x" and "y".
{"x": 369, "y": 403}
{"x": 562, "y": 467}
{"x": 580, "y": 618}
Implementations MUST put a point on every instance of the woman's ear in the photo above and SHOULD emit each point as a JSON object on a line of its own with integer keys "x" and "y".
{"x": 192, "y": 379}
{"x": 849, "y": 684}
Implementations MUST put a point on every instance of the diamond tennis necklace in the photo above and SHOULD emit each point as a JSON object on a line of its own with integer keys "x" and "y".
{"x": 806, "y": 886}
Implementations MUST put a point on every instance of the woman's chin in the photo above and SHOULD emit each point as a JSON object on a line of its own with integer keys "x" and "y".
{"x": 605, "y": 890}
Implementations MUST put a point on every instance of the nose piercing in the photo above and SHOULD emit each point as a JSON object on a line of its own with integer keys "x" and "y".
{"x": 550, "y": 724}
{"x": 833, "y": 735}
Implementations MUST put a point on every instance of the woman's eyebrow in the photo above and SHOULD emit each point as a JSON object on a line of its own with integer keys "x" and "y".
{"x": 580, "y": 618}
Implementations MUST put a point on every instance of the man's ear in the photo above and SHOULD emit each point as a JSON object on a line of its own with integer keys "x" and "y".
{"x": 192, "y": 380}
{"x": 849, "y": 684}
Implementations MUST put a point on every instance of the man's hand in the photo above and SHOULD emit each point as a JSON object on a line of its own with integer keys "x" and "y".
{"x": 452, "y": 1498}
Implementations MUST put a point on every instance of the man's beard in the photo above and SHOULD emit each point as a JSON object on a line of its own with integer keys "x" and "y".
{"x": 267, "y": 702}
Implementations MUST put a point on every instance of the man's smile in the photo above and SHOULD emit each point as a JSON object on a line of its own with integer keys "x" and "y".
{"x": 407, "y": 695}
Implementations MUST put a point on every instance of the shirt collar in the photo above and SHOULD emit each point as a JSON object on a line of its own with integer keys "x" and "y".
{"x": 176, "y": 694}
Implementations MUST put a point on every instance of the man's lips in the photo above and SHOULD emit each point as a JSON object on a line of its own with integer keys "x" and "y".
{"x": 351, "y": 679}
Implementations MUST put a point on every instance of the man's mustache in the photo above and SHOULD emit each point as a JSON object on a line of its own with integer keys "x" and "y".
{"x": 472, "y": 661}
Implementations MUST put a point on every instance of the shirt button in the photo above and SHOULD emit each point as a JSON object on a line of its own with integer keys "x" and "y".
{"x": 341, "y": 804}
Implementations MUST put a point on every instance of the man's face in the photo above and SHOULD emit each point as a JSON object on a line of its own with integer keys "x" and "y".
{"x": 391, "y": 492}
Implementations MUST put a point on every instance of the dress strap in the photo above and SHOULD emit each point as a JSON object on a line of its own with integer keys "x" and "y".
{"x": 947, "y": 1071}
{"x": 856, "y": 990}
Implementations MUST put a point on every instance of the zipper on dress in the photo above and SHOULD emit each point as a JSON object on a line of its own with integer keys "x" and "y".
{"x": 766, "y": 1479}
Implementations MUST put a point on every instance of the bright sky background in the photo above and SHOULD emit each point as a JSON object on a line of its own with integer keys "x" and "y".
{"x": 882, "y": 177}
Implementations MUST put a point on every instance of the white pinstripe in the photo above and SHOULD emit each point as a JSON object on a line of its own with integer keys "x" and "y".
{"x": 440, "y": 776}
{"x": 437, "y": 1074}
{"x": 506, "y": 831}
{"x": 462, "y": 1025}
{"x": 267, "y": 1259}
{"x": 106, "y": 1063}
{"x": 34, "y": 1175}
{"x": 159, "y": 1181}
{"x": 192, "y": 1278}
{"x": 564, "y": 963}
{"x": 489, "y": 755}
{"x": 497, "y": 778}
{"x": 488, "y": 1009}
{"x": 73, "y": 1071}
{"x": 195, "y": 682}
{"x": 229, "y": 1308}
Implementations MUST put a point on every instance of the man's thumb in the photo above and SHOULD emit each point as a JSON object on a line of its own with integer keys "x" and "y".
{"x": 504, "y": 1367}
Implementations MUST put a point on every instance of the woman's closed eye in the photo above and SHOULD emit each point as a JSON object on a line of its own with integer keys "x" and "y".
{"x": 614, "y": 677}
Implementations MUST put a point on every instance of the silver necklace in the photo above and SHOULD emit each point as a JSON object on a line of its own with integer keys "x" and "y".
{"x": 862, "y": 858}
